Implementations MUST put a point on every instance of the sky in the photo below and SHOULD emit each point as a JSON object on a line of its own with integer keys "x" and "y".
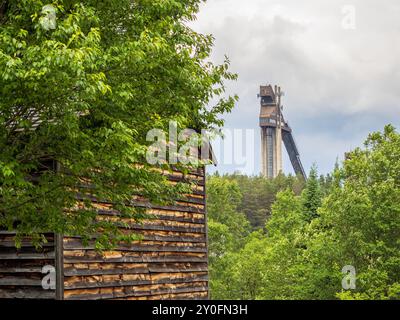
{"x": 338, "y": 63}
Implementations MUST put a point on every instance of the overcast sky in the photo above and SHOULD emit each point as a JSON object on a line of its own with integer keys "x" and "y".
{"x": 338, "y": 63}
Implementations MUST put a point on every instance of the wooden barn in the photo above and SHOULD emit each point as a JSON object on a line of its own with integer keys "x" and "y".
{"x": 170, "y": 262}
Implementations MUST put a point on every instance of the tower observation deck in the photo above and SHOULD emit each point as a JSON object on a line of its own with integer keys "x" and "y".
{"x": 274, "y": 130}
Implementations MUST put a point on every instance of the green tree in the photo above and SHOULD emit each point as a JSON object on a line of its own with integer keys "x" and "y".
{"x": 308, "y": 239}
{"x": 238, "y": 261}
{"x": 247, "y": 268}
{"x": 227, "y": 232}
{"x": 259, "y": 195}
{"x": 312, "y": 195}
{"x": 84, "y": 94}
{"x": 223, "y": 198}
{"x": 285, "y": 250}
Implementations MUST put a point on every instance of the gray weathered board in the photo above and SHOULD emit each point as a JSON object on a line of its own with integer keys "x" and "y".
{"x": 170, "y": 262}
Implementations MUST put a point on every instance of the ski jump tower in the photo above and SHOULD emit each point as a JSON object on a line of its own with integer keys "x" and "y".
{"x": 274, "y": 130}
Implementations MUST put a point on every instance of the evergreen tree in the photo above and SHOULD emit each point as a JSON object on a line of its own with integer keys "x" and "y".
{"x": 312, "y": 195}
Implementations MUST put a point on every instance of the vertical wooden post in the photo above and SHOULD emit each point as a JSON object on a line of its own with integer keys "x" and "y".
{"x": 59, "y": 266}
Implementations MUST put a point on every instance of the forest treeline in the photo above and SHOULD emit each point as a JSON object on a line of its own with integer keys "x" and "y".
{"x": 284, "y": 238}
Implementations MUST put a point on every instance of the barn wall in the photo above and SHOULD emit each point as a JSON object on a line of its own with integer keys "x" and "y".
{"x": 169, "y": 263}
{"x": 21, "y": 269}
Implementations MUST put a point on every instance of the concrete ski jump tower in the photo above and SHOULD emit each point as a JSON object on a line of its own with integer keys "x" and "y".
{"x": 274, "y": 130}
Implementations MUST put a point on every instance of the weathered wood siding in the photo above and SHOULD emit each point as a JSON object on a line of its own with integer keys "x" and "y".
{"x": 21, "y": 269}
{"x": 170, "y": 262}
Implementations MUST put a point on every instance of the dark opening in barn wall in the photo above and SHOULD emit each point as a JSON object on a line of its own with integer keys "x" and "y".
{"x": 170, "y": 262}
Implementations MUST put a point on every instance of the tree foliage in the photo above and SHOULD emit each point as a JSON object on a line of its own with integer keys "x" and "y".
{"x": 312, "y": 194}
{"x": 85, "y": 94}
{"x": 258, "y": 194}
{"x": 350, "y": 218}
{"x": 364, "y": 217}
{"x": 236, "y": 257}
{"x": 227, "y": 230}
